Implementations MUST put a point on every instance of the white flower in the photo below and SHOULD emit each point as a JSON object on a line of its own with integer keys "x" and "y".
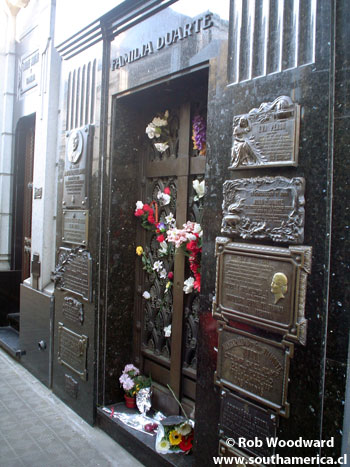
{"x": 163, "y": 446}
{"x": 163, "y": 198}
{"x": 163, "y": 250}
{"x": 167, "y": 331}
{"x": 188, "y": 285}
{"x": 199, "y": 188}
{"x": 158, "y": 266}
{"x": 185, "y": 428}
{"x": 146, "y": 295}
{"x": 163, "y": 274}
{"x": 170, "y": 220}
{"x": 191, "y": 236}
{"x": 139, "y": 205}
{"x": 151, "y": 131}
{"x": 161, "y": 147}
{"x": 159, "y": 122}
{"x": 197, "y": 228}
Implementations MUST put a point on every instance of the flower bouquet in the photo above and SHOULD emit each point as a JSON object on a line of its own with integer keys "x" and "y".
{"x": 132, "y": 382}
{"x": 158, "y": 131}
{"x": 175, "y": 435}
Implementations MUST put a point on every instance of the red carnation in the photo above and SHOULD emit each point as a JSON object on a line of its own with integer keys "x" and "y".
{"x": 146, "y": 208}
{"x": 160, "y": 238}
{"x": 186, "y": 443}
{"x": 167, "y": 190}
{"x": 139, "y": 212}
{"x": 151, "y": 219}
{"x": 170, "y": 275}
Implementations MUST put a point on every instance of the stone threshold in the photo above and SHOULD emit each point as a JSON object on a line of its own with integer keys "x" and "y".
{"x": 140, "y": 445}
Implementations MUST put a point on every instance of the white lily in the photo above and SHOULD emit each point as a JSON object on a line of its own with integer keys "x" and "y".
{"x": 199, "y": 188}
{"x": 188, "y": 285}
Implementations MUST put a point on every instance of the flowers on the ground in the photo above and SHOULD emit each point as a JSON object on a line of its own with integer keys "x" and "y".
{"x": 199, "y": 134}
{"x": 175, "y": 434}
{"x": 163, "y": 446}
{"x": 175, "y": 437}
{"x": 132, "y": 381}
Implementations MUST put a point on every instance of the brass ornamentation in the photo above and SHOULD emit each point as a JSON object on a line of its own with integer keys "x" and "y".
{"x": 263, "y": 286}
{"x": 264, "y": 208}
{"x": 72, "y": 351}
{"x": 267, "y": 136}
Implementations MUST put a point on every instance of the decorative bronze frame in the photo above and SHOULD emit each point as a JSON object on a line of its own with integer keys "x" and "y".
{"x": 230, "y": 451}
{"x": 296, "y": 258}
{"x": 69, "y": 214}
{"x": 284, "y": 350}
{"x": 83, "y": 343}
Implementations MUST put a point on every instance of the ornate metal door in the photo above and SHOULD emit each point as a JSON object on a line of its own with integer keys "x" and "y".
{"x": 166, "y": 321}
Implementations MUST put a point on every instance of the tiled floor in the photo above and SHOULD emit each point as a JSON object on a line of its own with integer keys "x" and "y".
{"x": 38, "y": 430}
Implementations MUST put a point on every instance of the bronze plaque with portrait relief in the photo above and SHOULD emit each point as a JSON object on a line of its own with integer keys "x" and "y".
{"x": 254, "y": 366}
{"x": 266, "y": 136}
{"x": 265, "y": 208}
{"x": 263, "y": 286}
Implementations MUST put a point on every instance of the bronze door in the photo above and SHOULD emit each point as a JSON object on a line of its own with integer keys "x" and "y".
{"x": 169, "y": 360}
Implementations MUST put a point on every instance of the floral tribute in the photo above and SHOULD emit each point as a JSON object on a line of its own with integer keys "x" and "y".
{"x": 158, "y": 131}
{"x": 132, "y": 381}
{"x": 174, "y": 435}
{"x": 199, "y": 134}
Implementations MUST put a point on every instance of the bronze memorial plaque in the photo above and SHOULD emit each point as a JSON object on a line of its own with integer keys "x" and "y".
{"x": 73, "y": 272}
{"x": 75, "y": 227}
{"x": 267, "y": 136}
{"x": 263, "y": 286}
{"x": 73, "y": 310}
{"x": 72, "y": 350}
{"x": 240, "y": 418}
{"x": 76, "y": 169}
{"x": 254, "y": 366}
{"x": 71, "y": 386}
{"x": 265, "y": 208}
{"x": 226, "y": 450}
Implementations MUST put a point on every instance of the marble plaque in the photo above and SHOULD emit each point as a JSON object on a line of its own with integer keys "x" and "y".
{"x": 255, "y": 367}
{"x": 72, "y": 350}
{"x": 73, "y": 310}
{"x": 75, "y": 227}
{"x": 263, "y": 286}
{"x": 265, "y": 208}
{"x": 76, "y": 169}
{"x": 73, "y": 272}
{"x": 267, "y": 136}
{"x": 240, "y": 418}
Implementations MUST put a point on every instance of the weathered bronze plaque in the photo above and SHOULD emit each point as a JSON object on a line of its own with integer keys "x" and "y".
{"x": 73, "y": 272}
{"x": 73, "y": 310}
{"x": 72, "y": 349}
{"x": 241, "y": 459}
{"x": 254, "y": 366}
{"x": 75, "y": 227}
{"x": 76, "y": 172}
{"x": 263, "y": 286}
{"x": 267, "y": 136}
{"x": 242, "y": 419}
{"x": 71, "y": 386}
{"x": 265, "y": 208}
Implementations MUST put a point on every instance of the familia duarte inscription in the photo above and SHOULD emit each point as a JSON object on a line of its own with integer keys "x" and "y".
{"x": 166, "y": 40}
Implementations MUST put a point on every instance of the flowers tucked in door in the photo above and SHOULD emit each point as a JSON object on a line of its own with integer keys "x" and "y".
{"x": 158, "y": 131}
{"x": 199, "y": 134}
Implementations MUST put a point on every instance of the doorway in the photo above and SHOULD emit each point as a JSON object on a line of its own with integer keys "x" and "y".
{"x": 165, "y": 318}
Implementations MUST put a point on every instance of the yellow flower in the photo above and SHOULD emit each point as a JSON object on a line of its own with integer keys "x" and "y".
{"x": 175, "y": 438}
{"x": 139, "y": 250}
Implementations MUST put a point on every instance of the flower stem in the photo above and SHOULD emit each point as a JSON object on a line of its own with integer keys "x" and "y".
{"x": 173, "y": 394}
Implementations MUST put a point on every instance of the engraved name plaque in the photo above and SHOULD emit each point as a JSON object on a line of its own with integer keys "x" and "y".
{"x": 71, "y": 386}
{"x": 75, "y": 186}
{"x": 263, "y": 286}
{"x": 237, "y": 454}
{"x": 75, "y": 227}
{"x": 265, "y": 208}
{"x": 73, "y": 310}
{"x": 73, "y": 272}
{"x": 242, "y": 419}
{"x": 72, "y": 349}
{"x": 255, "y": 367}
{"x": 267, "y": 136}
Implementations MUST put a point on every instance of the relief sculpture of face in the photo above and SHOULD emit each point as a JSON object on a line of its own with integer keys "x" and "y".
{"x": 279, "y": 286}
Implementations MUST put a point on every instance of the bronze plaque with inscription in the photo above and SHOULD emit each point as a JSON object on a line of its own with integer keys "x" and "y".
{"x": 263, "y": 286}
{"x": 76, "y": 169}
{"x": 73, "y": 310}
{"x": 75, "y": 227}
{"x": 73, "y": 272}
{"x": 265, "y": 208}
{"x": 240, "y": 418}
{"x": 72, "y": 349}
{"x": 267, "y": 136}
{"x": 232, "y": 452}
{"x": 254, "y": 366}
